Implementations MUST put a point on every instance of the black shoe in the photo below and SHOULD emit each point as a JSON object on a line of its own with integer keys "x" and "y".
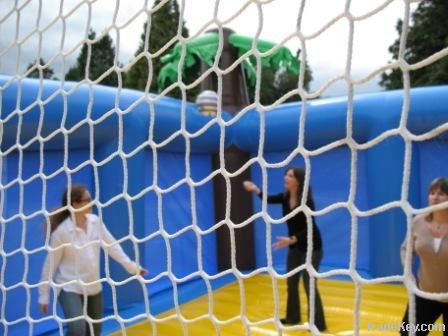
{"x": 322, "y": 329}
{"x": 286, "y": 321}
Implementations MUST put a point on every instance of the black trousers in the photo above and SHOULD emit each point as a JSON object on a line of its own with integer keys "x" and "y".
{"x": 295, "y": 259}
{"x": 426, "y": 312}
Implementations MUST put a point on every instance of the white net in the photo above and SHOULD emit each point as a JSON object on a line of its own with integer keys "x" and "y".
{"x": 166, "y": 179}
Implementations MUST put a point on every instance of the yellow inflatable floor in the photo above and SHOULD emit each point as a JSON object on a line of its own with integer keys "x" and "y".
{"x": 380, "y": 311}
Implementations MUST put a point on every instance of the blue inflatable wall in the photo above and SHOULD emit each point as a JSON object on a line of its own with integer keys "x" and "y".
{"x": 379, "y": 167}
{"x": 127, "y": 148}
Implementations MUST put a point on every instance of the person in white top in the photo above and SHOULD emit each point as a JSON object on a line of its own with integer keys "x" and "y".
{"x": 72, "y": 265}
{"x": 429, "y": 241}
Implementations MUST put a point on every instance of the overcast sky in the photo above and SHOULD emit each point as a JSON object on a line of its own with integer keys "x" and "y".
{"x": 39, "y": 28}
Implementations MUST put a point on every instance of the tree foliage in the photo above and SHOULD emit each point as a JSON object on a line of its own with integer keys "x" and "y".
{"x": 274, "y": 85}
{"x": 158, "y": 30}
{"x": 102, "y": 56}
{"x": 46, "y": 73}
{"x": 427, "y": 35}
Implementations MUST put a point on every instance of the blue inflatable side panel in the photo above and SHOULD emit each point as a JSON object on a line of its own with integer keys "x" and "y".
{"x": 326, "y": 120}
{"x": 101, "y": 114}
{"x": 433, "y": 156}
{"x": 127, "y": 148}
{"x": 383, "y": 162}
{"x": 103, "y": 147}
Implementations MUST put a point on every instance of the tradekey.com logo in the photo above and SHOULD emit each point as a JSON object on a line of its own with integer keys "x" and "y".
{"x": 402, "y": 326}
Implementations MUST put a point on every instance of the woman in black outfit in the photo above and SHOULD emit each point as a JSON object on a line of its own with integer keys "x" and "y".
{"x": 290, "y": 199}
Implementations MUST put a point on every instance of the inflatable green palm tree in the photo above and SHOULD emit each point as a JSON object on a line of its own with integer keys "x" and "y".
{"x": 205, "y": 48}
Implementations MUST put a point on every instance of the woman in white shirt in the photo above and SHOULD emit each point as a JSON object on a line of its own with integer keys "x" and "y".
{"x": 73, "y": 262}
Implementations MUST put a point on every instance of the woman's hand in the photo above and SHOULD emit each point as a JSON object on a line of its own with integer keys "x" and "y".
{"x": 251, "y": 187}
{"x": 43, "y": 308}
{"x": 143, "y": 272}
{"x": 283, "y": 242}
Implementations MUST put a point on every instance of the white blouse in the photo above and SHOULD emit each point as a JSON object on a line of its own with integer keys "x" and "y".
{"x": 73, "y": 261}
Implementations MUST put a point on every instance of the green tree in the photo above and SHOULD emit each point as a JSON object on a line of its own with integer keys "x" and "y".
{"x": 274, "y": 85}
{"x": 163, "y": 27}
{"x": 427, "y": 35}
{"x": 46, "y": 73}
{"x": 287, "y": 81}
{"x": 102, "y": 57}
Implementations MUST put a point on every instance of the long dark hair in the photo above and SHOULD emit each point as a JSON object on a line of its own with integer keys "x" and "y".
{"x": 299, "y": 174}
{"x": 439, "y": 183}
{"x": 59, "y": 215}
